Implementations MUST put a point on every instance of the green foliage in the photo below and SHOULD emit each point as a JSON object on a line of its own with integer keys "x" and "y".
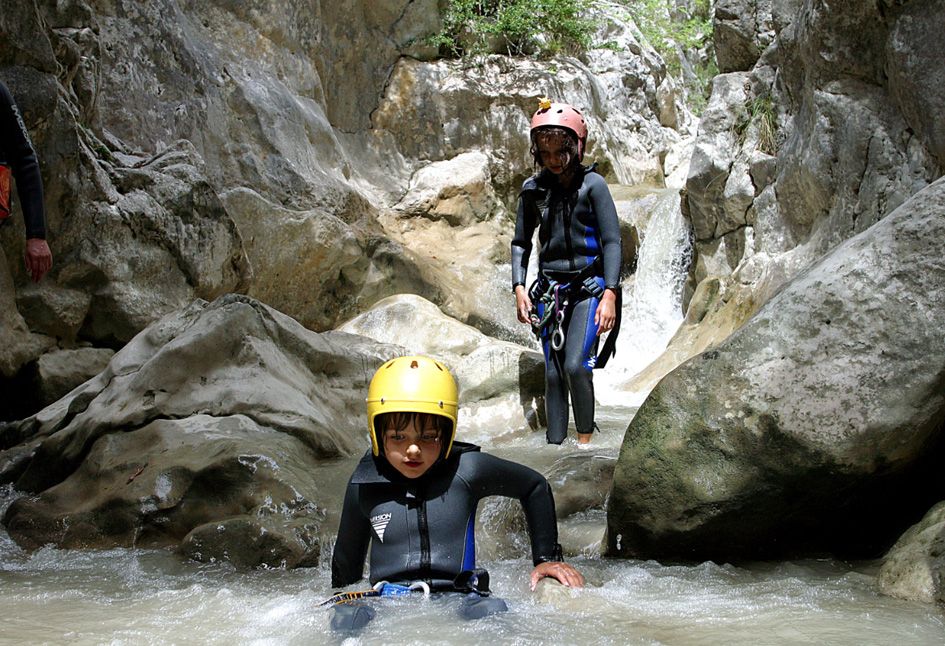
{"x": 540, "y": 27}
{"x": 759, "y": 115}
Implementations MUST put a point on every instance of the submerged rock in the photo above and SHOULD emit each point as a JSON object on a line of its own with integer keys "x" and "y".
{"x": 219, "y": 414}
{"x": 813, "y": 428}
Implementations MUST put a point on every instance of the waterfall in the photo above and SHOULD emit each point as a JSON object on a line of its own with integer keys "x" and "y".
{"x": 652, "y": 305}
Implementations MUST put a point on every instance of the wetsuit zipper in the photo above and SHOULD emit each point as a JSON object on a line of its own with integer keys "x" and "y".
{"x": 566, "y": 205}
{"x": 424, "y": 537}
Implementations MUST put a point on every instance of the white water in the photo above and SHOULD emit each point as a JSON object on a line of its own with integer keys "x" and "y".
{"x": 652, "y": 309}
{"x": 128, "y": 596}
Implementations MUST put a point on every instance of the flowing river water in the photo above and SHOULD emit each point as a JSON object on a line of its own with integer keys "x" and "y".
{"x": 133, "y": 596}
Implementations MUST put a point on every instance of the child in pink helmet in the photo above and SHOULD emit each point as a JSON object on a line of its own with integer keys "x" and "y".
{"x": 576, "y": 295}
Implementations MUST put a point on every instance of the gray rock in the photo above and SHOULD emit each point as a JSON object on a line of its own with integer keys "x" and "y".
{"x": 850, "y": 156}
{"x": 713, "y": 156}
{"x": 914, "y": 568}
{"x": 485, "y": 368}
{"x": 53, "y": 310}
{"x": 178, "y": 481}
{"x": 219, "y": 414}
{"x": 741, "y": 30}
{"x": 915, "y": 70}
{"x": 59, "y": 371}
{"x": 811, "y": 428}
{"x": 17, "y": 345}
{"x": 580, "y": 482}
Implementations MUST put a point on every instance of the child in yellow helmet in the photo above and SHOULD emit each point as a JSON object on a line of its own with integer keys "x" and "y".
{"x": 412, "y": 500}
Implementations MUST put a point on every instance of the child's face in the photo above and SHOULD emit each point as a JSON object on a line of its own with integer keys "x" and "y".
{"x": 410, "y": 450}
{"x": 553, "y": 153}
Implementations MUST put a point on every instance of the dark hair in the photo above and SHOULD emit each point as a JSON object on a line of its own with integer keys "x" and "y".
{"x": 569, "y": 142}
{"x": 400, "y": 420}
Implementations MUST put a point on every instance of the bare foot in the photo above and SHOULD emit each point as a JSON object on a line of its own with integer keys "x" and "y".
{"x": 584, "y": 438}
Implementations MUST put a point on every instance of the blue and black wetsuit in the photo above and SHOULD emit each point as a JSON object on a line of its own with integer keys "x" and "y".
{"x": 423, "y": 529}
{"x": 579, "y": 238}
{"x": 17, "y": 152}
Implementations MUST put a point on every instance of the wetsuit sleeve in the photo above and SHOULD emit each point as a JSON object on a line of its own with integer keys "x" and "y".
{"x": 492, "y": 476}
{"x": 609, "y": 226}
{"x": 525, "y": 221}
{"x": 354, "y": 536}
{"x": 22, "y": 160}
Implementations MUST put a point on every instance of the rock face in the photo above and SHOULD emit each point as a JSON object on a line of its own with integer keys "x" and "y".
{"x": 288, "y": 153}
{"x": 816, "y": 427}
{"x": 743, "y": 29}
{"x": 209, "y": 428}
{"x": 817, "y": 141}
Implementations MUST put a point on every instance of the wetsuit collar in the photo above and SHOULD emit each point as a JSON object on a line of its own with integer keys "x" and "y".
{"x": 545, "y": 179}
{"x": 371, "y": 470}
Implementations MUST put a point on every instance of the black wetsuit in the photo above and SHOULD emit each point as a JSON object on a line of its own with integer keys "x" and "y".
{"x": 579, "y": 238}
{"x": 423, "y": 529}
{"x": 17, "y": 152}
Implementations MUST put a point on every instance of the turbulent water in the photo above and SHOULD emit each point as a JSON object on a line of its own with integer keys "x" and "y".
{"x": 126, "y": 596}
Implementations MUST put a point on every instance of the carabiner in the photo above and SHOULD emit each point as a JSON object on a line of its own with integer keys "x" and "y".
{"x": 557, "y": 339}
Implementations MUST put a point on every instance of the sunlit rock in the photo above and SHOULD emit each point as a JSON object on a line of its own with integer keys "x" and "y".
{"x": 914, "y": 568}
{"x": 457, "y": 190}
{"x": 811, "y": 429}
{"x": 314, "y": 266}
{"x": 491, "y": 374}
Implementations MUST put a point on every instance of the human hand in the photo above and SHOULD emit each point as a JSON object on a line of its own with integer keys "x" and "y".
{"x": 523, "y": 304}
{"x": 38, "y": 258}
{"x": 606, "y": 314}
{"x": 565, "y": 574}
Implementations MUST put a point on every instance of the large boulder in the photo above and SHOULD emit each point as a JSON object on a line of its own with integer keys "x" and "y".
{"x": 220, "y": 413}
{"x": 501, "y": 383}
{"x": 813, "y": 428}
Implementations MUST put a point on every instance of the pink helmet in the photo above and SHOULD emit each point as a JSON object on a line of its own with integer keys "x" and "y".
{"x": 564, "y": 116}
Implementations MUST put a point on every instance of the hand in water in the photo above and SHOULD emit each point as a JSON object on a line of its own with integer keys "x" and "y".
{"x": 564, "y": 573}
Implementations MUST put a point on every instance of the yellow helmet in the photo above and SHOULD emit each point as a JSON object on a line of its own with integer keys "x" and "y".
{"x": 412, "y": 385}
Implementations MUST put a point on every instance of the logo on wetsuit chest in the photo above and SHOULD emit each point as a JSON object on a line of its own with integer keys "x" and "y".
{"x": 379, "y": 523}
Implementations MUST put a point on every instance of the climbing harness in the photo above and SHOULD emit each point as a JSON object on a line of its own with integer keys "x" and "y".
{"x": 380, "y": 589}
{"x": 552, "y": 298}
{"x": 475, "y": 580}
